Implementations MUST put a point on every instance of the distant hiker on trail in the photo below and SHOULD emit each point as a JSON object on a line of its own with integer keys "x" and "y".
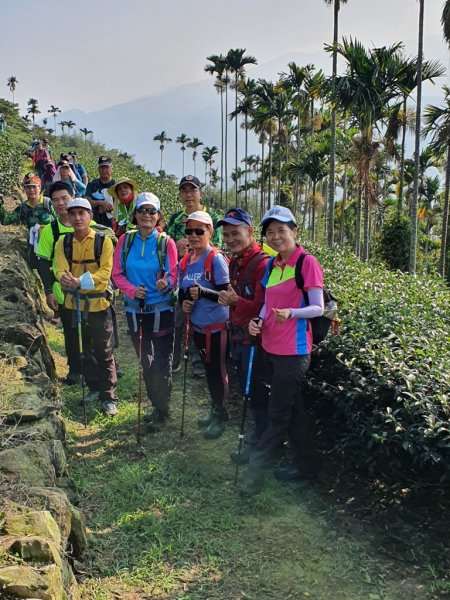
{"x": 47, "y": 147}
{"x": 191, "y": 196}
{"x": 286, "y": 339}
{"x": 84, "y": 263}
{"x": 102, "y": 208}
{"x": 47, "y": 176}
{"x": 203, "y": 274}
{"x": 34, "y": 212}
{"x": 65, "y": 173}
{"x": 124, "y": 193}
{"x": 39, "y": 157}
{"x": 61, "y": 194}
{"x": 245, "y": 298}
{"x": 145, "y": 269}
{"x": 78, "y": 168}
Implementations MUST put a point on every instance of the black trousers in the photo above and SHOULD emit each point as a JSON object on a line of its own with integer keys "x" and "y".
{"x": 98, "y": 345}
{"x": 286, "y": 415}
{"x": 157, "y": 355}
{"x": 216, "y": 375}
{"x": 71, "y": 343}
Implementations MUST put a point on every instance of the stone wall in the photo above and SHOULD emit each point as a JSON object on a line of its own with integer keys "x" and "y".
{"x": 41, "y": 532}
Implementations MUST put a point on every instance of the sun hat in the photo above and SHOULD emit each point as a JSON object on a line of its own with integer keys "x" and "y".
{"x": 278, "y": 213}
{"x": 79, "y": 203}
{"x": 235, "y": 216}
{"x": 31, "y": 179}
{"x": 147, "y": 199}
{"x": 195, "y": 181}
{"x": 201, "y": 216}
{"x": 113, "y": 188}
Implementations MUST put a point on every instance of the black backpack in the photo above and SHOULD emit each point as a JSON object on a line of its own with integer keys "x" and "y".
{"x": 320, "y": 325}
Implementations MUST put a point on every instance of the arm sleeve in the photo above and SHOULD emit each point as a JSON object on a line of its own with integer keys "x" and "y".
{"x": 246, "y": 306}
{"x": 44, "y": 268}
{"x": 314, "y": 308}
{"x": 172, "y": 264}
{"x": 60, "y": 259}
{"x": 117, "y": 275}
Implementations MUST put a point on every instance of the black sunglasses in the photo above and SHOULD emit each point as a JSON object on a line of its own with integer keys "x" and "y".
{"x": 147, "y": 211}
{"x": 196, "y": 230}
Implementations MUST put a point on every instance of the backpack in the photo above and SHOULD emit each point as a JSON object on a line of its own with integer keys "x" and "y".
{"x": 208, "y": 271}
{"x": 319, "y": 325}
{"x": 161, "y": 243}
{"x": 248, "y": 291}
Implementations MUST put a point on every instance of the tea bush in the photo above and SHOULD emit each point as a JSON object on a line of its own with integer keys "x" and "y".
{"x": 388, "y": 371}
{"x": 10, "y": 164}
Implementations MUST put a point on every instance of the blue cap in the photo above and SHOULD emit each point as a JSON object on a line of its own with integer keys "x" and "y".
{"x": 236, "y": 216}
{"x": 278, "y": 213}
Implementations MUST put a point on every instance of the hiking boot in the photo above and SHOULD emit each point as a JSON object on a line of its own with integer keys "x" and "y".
{"x": 156, "y": 416}
{"x": 242, "y": 457}
{"x": 205, "y": 421}
{"x": 215, "y": 428}
{"x": 293, "y": 472}
{"x": 198, "y": 370}
{"x": 72, "y": 378}
{"x": 252, "y": 482}
{"x": 109, "y": 408}
{"x": 177, "y": 368}
{"x": 91, "y": 397}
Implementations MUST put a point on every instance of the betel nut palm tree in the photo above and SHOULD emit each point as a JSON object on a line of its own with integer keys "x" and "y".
{"x": 54, "y": 110}
{"x": 331, "y": 186}
{"x": 12, "y": 84}
{"x": 218, "y": 67}
{"x": 194, "y": 144}
{"x": 163, "y": 139}
{"x": 415, "y": 195}
{"x": 182, "y": 139}
{"x": 85, "y": 131}
{"x": 236, "y": 61}
{"x": 437, "y": 124}
{"x": 33, "y": 109}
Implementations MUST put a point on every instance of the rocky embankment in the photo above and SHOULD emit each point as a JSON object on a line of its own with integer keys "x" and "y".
{"x": 41, "y": 531}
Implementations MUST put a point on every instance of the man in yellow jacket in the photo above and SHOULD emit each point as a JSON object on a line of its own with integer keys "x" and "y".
{"x": 84, "y": 263}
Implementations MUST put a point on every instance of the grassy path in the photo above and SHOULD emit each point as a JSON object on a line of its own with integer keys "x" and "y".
{"x": 166, "y": 521}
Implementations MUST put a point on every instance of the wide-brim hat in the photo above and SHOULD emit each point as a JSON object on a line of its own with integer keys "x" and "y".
{"x": 112, "y": 190}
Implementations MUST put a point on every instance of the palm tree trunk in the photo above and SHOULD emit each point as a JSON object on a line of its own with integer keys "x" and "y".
{"x": 262, "y": 207}
{"x": 332, "y": 190}
{"x": 358, "y": 219}
{"x": 245, "y": 164}
{"x": 344, "y": 198}
{"x": 444, "y": 234}
{"x": 414, "y": 201}
{"x": 226, "y": 140}
{"x": 365, "y": 253}
{"x": 236, "y": 130}
{"x": 401, "y": 182}
{"x": 269, "y": 191}
{"x": 182, "y": 152}
{"x": 221, "y": 148}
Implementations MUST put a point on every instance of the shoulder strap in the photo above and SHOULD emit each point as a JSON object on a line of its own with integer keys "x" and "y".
{"x": 98, "y": 246}
{"x": 298, "y": 270}
{"x": 208, "y": 269}
{"x": 162, "y": 241}
{"x": 56, "y": 234}
{"x": 68, "y": 251}
{"x": 128, "y": 242}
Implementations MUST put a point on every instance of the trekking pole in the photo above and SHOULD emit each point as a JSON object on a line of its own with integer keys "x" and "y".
{"x": 140, "y": 370}
{"x": 185, "y": 356}
{"x": 80, "y": 347}
{"x": 244, "y": 409}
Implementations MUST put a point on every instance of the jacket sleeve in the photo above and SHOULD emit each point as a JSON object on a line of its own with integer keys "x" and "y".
{"x": 244, "y": 306}
{"x": 172, "y": 264}
{"x": 118, "y": 277}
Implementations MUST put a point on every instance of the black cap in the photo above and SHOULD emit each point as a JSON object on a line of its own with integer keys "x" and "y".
{"x": 104, "y": 160}
{"x": 64, "y": 156}
{"x": 195, "y": 181}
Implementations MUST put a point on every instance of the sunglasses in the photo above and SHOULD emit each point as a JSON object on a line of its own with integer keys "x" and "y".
{"x": 146, "y": 211}
{"x": 197, "y": 231}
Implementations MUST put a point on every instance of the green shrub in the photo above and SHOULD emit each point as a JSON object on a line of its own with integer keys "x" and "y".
{"x": 388, "y": 372}
{"x": 10, "y": 164}
{"x": 392, "y": 243}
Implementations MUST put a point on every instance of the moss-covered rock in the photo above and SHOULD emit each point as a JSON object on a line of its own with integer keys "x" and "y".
{"x": 31, "y": 463}
{"x": 33, "y": 523}
{"x": 56, "y": 502}
{"x": 27, "y": 582}
{"x": 32, "y": 549}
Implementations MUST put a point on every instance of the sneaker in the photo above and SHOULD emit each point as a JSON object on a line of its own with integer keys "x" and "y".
{"x": 177, "y": 368}
{"x": 91, "y": 397}
{"x": 214, "y": 429}
{"x": 252, "y": 482}
{"x": 109, "y": 408}
{"x": 293, "y": 472}
{"x": 156, "y": 416}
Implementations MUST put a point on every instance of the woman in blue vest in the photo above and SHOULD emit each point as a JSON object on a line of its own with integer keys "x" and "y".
{"x": 203, "y": 274}
{"x": 145, "y": 269}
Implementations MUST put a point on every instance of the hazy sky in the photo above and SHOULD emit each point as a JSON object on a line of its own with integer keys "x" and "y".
{"x": 91, "y": 54}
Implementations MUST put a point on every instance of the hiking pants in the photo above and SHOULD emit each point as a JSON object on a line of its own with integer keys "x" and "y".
{"x": 98, "y": 344}
{"x": 259, "y": 384}
{"x": 157, "y": 355}
{"x": 216, "y": 374}
{"x": 287, "y": 417}
{"x": 70, "y": 339}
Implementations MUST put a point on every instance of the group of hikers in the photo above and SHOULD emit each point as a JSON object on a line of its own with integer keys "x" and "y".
{"x": 175, "y": 280}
